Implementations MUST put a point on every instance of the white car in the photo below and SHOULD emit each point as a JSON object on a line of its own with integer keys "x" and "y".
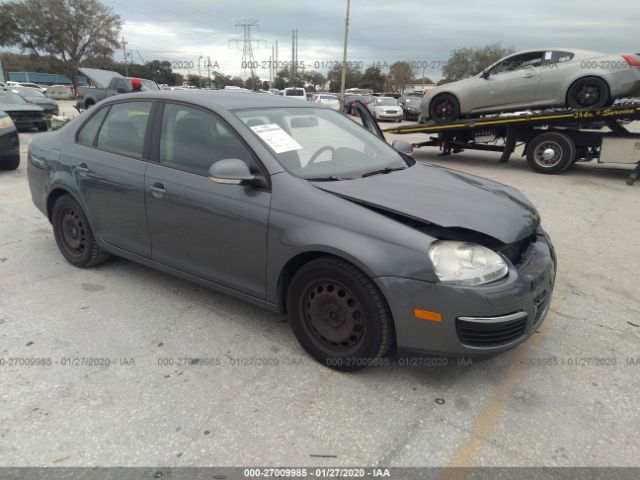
{"x": 385, "y": 108}
{"x": 331, "y": 101}
{"x": 295, "y": 92}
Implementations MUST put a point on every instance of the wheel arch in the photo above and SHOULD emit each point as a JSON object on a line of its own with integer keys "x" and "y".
{"x": 289, "y": 269}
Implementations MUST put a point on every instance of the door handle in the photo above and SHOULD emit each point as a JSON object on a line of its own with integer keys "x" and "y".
{"x": 82, "y": 169}
{"x": 158, "y": 190}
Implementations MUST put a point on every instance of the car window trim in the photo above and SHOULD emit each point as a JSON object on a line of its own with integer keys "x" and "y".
{"x": 157, "y": 134}
{"x": 145, "y": 150}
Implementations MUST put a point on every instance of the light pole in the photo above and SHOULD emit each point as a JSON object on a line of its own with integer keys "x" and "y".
{"x": 209, "y": 71}
{"x": 344, "y": 57}
{"x": 199, "y": 74}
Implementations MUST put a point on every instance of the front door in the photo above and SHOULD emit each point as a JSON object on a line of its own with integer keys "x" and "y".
{"x": 214, "y": 231}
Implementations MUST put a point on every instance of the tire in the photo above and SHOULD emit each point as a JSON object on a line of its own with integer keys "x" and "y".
{"x": 338, "y": 315}
{"x": 551, "y": 152}
{"x": 588, "y": 92}
{"x": 444, "y": 108}
{"x": 74, "y": 235}
{"x": 10, "y": 163}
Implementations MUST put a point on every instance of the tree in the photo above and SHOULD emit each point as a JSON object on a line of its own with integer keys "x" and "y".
{"x": 374, "y": 79}
{"x": 400, "y": 74}
{"x": 334, "y": 77}
{"x": 466, "y": 62}
{"x": 282, "y": 79}
{"x": 69, "y": 30}
{"x": 314, "y": 79}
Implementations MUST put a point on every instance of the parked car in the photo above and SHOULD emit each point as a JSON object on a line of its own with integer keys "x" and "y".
{"x": 107, "y": 84}
{"x": 36, "y": 97}
{"x": 9, "y": 143}
{"x": 385, "y": 108}
{"x": 310, "y": 96}
{"x": 329, "y": 100}
{"x": 349, "y": 98}
{"x": 40, "y": 88}
{"x": 295, "y": 92}
{"x": 537, "y": 79}
{"x": 410, "y": 106}
{"x": 300, "y": 210}
{"x": 24, "y": 115}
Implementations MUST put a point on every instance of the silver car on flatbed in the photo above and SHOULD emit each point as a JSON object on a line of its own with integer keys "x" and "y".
{"x": 578, "y": 79}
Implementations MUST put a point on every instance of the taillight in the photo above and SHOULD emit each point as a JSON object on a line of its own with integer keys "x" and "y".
{"x": 632, "y": 60}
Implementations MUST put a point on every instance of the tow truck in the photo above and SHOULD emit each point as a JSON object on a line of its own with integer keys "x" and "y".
{"x": 553, "y": 139}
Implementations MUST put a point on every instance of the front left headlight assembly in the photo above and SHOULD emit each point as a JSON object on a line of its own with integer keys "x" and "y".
{"x": 469, "y": 264}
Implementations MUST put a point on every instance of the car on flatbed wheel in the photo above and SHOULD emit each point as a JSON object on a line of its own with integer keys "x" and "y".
{"x": 9, "y": 143}
{"x": 303, "y": 211}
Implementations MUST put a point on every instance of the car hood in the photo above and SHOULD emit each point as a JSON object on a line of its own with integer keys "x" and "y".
{"x": 444, "y": 198}
{"x": 101, "y": 78}
{"x": 40, "y": 101}
{"x": 8, "y": 107}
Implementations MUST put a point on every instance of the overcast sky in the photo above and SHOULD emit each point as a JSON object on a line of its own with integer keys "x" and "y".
{"x": 381, "y": 31}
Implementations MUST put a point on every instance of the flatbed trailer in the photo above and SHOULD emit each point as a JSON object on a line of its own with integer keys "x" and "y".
{"x": 553, "y": 140}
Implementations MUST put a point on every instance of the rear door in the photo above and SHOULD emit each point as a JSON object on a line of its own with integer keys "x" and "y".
{"x": 108, "y": 162}
{"x": 210, "y": 230}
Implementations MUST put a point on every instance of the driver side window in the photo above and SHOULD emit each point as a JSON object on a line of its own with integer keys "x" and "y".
{"x": 517, "y": 62}
{"x": 192, "y": 140}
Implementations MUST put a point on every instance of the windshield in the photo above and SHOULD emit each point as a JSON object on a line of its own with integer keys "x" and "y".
{"x": 386, "y": 101}
{"x": 315, "y": 143}
{"x": 9, "y": 98}
{"x": 294, "y": 92}
{"x": 28, "y": 92}
{"x": 412, "y": 101}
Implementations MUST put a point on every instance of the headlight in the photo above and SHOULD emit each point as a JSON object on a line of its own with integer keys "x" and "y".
{"x": 461, "y": 263}
{"x": 6, "y": 122}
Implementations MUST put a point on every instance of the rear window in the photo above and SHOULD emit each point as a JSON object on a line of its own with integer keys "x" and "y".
{"x": 294, "y": 92}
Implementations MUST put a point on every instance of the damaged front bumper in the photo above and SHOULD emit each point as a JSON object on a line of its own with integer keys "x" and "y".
{"x": 474, "y": 321}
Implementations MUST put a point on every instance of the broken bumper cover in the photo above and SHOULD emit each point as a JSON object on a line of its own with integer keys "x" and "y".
{"x": 474, "y": 321}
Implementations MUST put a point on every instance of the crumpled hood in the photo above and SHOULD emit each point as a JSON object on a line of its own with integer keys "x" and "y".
{"x": 445, "y": 198}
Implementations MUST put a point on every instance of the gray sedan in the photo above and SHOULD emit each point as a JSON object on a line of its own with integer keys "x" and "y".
{"x": 299, "y": 209}
{"x": 536, "y": 79}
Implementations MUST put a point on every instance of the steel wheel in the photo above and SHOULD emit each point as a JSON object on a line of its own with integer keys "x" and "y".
{"x": 338, "y": 314}
{"x": 333, "y": 317}
{"x": 548, "y": 154}
{"x": 551, "y": 152}
{"x": 73, "y": 233}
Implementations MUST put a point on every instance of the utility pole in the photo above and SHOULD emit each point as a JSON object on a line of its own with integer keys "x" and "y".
{"x": 344, "y": 57}
{"x": 124, "y": 52}
{"x": 199, "y": 73}
{"x": 209, "y": 71}
{"x": 292, "y": 70}
{"x": 248, "y": 64}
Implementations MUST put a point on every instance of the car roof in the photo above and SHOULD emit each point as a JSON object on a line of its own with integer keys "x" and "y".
{"x": 215, "y": 99}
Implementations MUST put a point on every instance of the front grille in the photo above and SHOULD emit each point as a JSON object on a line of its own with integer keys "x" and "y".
{"x": 25, "y": 117}
{"x": 489, "y": 334}
{"x": 392, "y": 112}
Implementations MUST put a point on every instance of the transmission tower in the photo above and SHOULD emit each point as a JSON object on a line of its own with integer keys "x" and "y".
{"x": 248, "y": 65}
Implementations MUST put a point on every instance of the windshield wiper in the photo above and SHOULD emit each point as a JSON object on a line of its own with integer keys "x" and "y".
{"x": 330, "y": 178}
{"x": 383, "y": 170}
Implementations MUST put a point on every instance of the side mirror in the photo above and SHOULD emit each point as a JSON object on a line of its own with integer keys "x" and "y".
{"x": 231, "y": 171}
{"x": 402, "y": 147}
{"x": 485, "y": 74}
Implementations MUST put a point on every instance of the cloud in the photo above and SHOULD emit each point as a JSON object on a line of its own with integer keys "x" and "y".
{"x": 380, "y": 31}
